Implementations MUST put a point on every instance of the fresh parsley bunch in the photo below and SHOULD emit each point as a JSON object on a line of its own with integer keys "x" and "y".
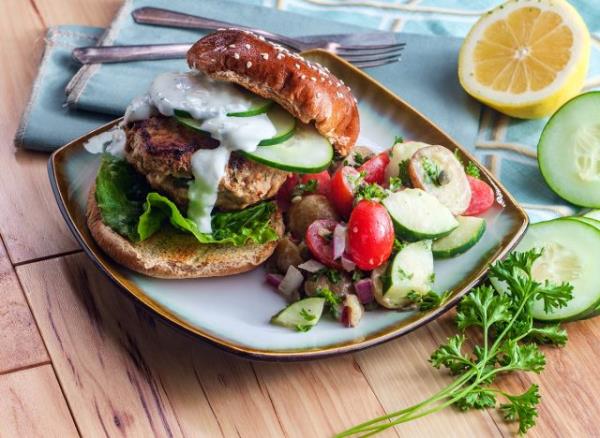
{"x": 509, "y": 342}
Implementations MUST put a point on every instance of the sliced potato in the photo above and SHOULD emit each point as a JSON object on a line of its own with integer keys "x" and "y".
{"x": 401, "y": 152}
{"x": 437, "y": 171}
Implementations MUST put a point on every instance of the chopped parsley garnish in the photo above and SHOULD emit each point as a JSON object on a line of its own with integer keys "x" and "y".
{"x": 370, "y": 192}
{"x": 403, "y": 275}
{"x": 309, "y": 187}
{"x": 472, "y": 170}
{"x": 429, "y": 300}
{"x": 333, "y": 275}
{"x": 357, "y": 275}
{"x": 358, "y": 158}
{"x": 432, "y": 171}
{"x": 398, "y": 139}
{"x": 395, "y": 184}
{"x": 332, "y": 301}
{"x": 307, "y": 315}
{"x": 403, "y": 173}
{"x": 398, "y": 245}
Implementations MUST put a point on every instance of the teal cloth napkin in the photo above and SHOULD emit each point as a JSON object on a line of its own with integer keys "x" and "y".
{"x": 47, "y": 122}
{"x": 425, "y": 77}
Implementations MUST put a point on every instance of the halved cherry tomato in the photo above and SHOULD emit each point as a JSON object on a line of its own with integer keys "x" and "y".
{"x": 482, "y": 197}
{"x": 284, "y": 195}
{"x": 370, "y": 235}
{"x": 375, "y": 168}
{"x": 320, "y": 247}
{"x": 323, "y": 181}
{"x": 342, "y": 188}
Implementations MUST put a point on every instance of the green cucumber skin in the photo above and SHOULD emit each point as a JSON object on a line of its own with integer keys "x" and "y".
{"x": 288, "y": 168}
{"x": 586, "y": 313}
{"x": 253, "y": 111}
{"x": 449, "y": 253}
{"x": 413, "y": 236}
{"x": 281, "y": 138}
{"x": 314, "y": 303}
{"x": 541, "y": 156}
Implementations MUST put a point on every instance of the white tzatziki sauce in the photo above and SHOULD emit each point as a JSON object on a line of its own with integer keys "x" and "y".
{"x": 112, "y": 142}
{"x": 209, "y": 101}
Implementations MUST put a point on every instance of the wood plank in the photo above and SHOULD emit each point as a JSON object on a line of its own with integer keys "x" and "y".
{"x": 30, "y": 222}
{"x": 91, "y": 13}
{"x": 20, "y": 341}
{"x": 569, "y": 385}
{"x": 32, "y": 405}
{"x": 96, "y": 336}
{"x": 113, "y": 358}
{"x": 400, "y": 375}
{"x": 319, "y": 398}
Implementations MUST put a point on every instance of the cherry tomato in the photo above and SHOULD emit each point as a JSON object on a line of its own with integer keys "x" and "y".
{"x": 375, "y": 168}
{"x": 482, "y": 197}
{"x": 320, "y": 247}
{"x": 284, "y": 195}
{"x": 341, "y": 192}
{"x": 370, "y": 235}
{"x": 323, "y": 181}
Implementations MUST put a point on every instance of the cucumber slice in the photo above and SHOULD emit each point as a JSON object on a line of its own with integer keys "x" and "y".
{"x": 284, "y": 123}
{"x": 259, "y": 106}
{"x": 187, "y": 120}
{"x": 306, "y": 151}
{"x": 593, "y": 222}
{"x": 301, "y": 315}
{"x": 571, "y": 254}
{"x": 594, "y": 214}
{"x": 569, "y": 150}
{"x": 417, "y": 215}
{"x": 469, "y": 232}
{"x": 411, "y": 270}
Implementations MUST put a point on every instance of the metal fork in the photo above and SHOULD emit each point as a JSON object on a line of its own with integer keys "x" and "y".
{"x": 363, "y": 56}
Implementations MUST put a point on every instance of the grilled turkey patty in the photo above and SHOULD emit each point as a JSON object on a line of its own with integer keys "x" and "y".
{"x": 161, "y": 149}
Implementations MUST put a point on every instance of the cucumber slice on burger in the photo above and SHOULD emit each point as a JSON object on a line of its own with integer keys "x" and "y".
{"x": 437, "y": 171}
{"x": 259, "y": 106}
{"x": 306, "y": 151}
{"x": 284, "y": 123}
{"x": 418, "y": 215}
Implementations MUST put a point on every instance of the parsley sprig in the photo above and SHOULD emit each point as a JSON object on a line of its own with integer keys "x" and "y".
{"x": 509, "y": 342}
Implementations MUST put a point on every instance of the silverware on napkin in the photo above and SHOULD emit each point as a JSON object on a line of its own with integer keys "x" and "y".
{"x": 363, "y": 50}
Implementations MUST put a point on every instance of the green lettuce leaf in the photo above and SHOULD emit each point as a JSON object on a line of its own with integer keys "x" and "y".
{"x": 120, "y": 194}
{"x": 129, "y": 207}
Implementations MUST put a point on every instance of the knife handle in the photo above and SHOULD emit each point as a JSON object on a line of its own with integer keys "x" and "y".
{"x": 104, "y": 54}
{"x": 165, "y": 17}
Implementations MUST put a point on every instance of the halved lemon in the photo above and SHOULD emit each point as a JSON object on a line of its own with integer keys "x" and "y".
{"x": 526, "y": 58}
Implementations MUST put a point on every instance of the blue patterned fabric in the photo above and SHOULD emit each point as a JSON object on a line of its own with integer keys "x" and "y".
{"x": 426, "y": 77}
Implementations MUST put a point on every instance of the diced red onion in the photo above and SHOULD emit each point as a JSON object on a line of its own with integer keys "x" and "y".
{"x": 291, "y": 282}
{"x": 339, "y": 241}
{"x": 311, "y": 266}
{"x": 364, "y": 290}
{"x": 347, "y": 264}
{"x": 274, "y": 279}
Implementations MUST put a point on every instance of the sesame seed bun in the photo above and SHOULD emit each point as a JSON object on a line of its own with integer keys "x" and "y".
{"x": 305, "y": 89}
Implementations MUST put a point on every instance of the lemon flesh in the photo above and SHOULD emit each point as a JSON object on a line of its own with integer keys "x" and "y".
{"x": 526, "y": 58}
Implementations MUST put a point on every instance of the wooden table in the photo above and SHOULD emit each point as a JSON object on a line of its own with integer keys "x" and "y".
{"x": 78, "y": 358}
